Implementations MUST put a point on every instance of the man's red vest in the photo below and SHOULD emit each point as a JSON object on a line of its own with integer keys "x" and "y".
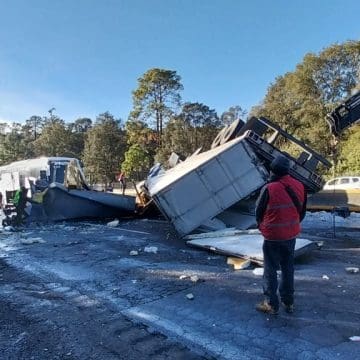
{"x": 281, "y": 220}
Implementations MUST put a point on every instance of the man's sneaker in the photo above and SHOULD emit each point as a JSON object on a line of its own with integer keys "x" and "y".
{"x": 288, "y": 308}
{"x": 266, "y": 308}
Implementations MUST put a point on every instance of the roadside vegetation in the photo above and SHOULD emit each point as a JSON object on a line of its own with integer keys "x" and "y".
{"x": 161, "y": 121}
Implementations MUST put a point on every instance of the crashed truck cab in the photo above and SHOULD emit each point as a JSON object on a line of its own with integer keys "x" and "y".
{"x": 57, "y": 190}
{"x": 219, "y": 187}
{"x": 35, "y": 175}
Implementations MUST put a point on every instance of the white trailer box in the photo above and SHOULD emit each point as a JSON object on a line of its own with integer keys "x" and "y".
{"x": 206, "y": 184}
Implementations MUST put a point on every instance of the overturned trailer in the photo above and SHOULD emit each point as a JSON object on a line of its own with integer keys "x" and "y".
{"x": 206, "y": 184}
{"x": 228, "y": 177}
{"x": 223, "y": 183}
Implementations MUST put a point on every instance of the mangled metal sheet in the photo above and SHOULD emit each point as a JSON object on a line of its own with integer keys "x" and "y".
{"x": 243, "y": 245}
{"x": 60, "y": 203}
{"x": 206, "y": 184}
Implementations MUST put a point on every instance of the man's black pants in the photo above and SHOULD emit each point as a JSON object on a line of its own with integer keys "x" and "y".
{"x": 279, "y": 254}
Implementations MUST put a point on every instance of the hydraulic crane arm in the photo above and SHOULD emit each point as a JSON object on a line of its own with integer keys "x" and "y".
{"x": 345, "y": 115}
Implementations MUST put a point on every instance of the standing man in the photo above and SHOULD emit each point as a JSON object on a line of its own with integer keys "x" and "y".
{"x": 122, "y": 182}
{"x": 280, "y": 208}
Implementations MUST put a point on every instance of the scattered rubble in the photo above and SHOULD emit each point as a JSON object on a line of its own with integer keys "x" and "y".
{"x": 151, "y": 249}
{"x": 245, "y": 244}
{"x": 113, "y": 223}
{"x": 258, "y": 271}
{"x": 319, "y": 244}
{"x": 9, "y": 228}
{"x": 354, "y": 338}
{"x": 35, "y": 240}
{"x": 238, "y": 264}
{"x": 194, "y": 278}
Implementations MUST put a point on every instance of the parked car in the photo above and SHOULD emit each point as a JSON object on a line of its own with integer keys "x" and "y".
{"x": 343, "y": 183}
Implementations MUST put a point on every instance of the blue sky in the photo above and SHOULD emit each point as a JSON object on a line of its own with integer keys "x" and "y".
{"x": 84, "y": 57}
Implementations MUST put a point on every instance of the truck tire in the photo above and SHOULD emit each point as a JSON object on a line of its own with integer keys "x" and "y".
{"x": 218, "y": 138}
{"x": 231, "y": 131}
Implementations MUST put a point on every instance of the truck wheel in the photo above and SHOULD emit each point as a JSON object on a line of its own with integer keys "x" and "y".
{"x": 232, "y": 131}
{"x": 218, "y": 138}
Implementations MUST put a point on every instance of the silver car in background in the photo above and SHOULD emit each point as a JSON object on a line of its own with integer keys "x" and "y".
{"x": 343, "y": 183}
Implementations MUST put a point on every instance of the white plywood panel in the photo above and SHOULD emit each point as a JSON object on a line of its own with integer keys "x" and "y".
{"x": 247, "y": 246}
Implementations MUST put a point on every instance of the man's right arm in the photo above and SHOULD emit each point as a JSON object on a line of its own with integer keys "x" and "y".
{"x": 261, "y": 204}
{"x": 303, "y": 209}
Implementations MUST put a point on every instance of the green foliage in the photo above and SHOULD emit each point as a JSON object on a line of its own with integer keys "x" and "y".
{"x": 299, "y": 101}
{"x": 195, "y": 126}
{"x": 16, "y": 144}
{"x": 104, "y": 149}
{"x": 78, "y": 131}
{"x": 349, "y": 157}
{"x": 34, "y": 126}
{"x": 138, "y": 132}
{"x": 335, "y": 70}
{"x": 233, "y": 113}
{"x": 156, "y": 98}
{"x": 55, "y": 140}
{"x": 137, "y": 162}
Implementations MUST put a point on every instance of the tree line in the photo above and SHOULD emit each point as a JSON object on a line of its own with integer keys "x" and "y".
{"x": 161, "y": 122}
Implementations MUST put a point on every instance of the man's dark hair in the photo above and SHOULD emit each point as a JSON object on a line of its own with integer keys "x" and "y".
{"x": 280, "y": 165}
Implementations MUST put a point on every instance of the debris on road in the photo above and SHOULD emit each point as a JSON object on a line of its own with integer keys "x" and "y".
{"x": 238, "y": 264}
{"x": 113, "y": 223}
{"x": 151, "y": 249}
{"x": 246, "y": 244}
{"x": 320, "y": 244}
{"x": 35, "y": 240}
{"x": 258, "y": 271}
{"x": 9, "y": 228}
{"x": 354, "y": 338}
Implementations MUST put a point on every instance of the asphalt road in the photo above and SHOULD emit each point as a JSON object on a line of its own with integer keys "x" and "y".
{"x": 73, "y": 291}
